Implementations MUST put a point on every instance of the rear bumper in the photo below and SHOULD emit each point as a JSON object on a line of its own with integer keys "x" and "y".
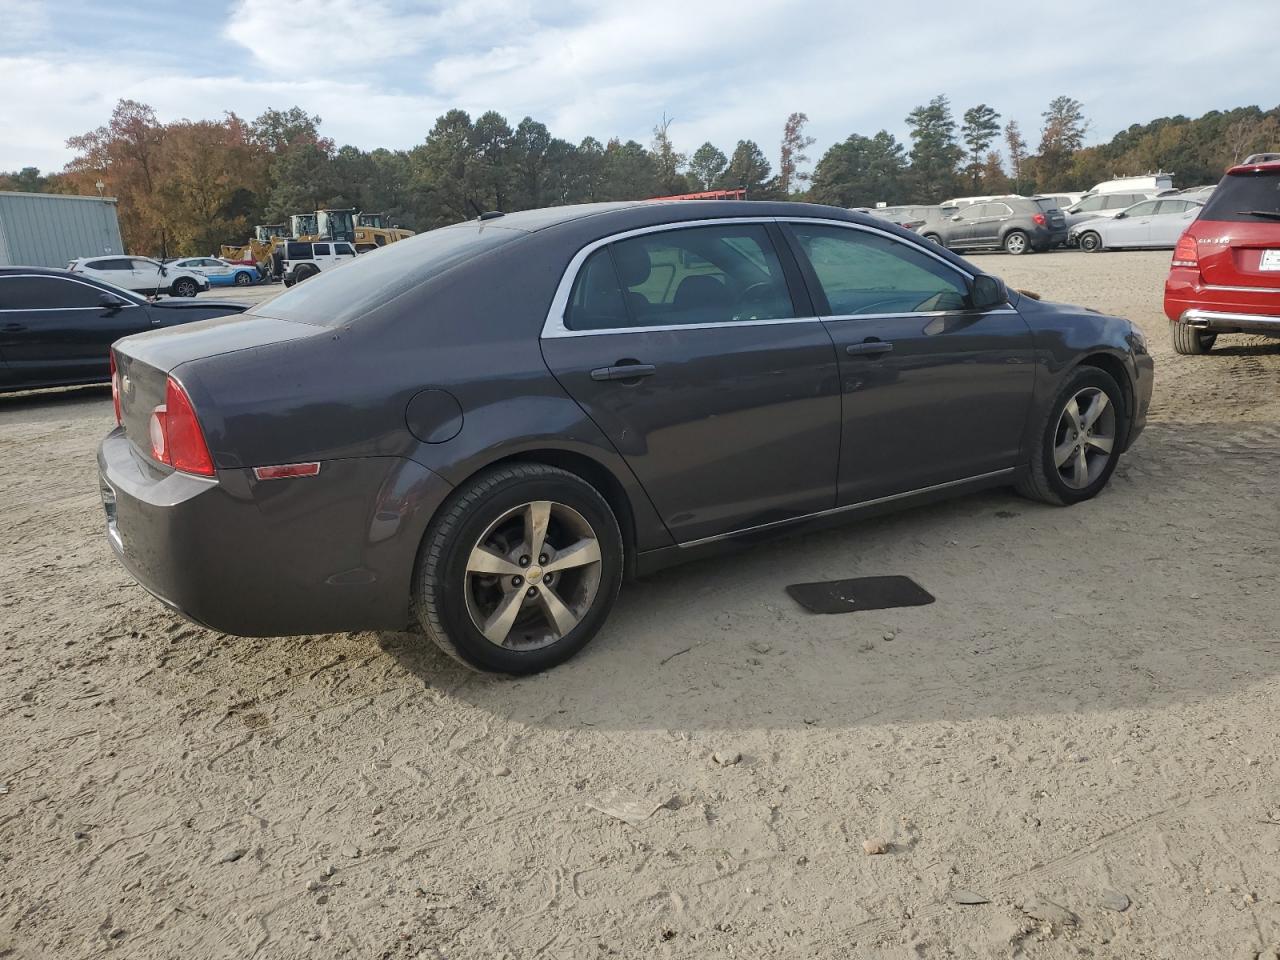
{"x": 1226, "y": 309}
{"x": 270, "y": 558}
{"x": 1218, "y": 322}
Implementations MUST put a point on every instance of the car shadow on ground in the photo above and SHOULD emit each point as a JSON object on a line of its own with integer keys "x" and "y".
{"x": 1038, "y": 611}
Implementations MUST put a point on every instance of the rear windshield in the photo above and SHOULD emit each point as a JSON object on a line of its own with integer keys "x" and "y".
{"x": 353, "y": 288}
{"x": 1245, "y": 197}
{"x": 1047, "y": 203}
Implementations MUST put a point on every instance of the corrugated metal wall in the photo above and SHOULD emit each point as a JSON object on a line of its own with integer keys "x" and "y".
{"x": 49, "y": 229}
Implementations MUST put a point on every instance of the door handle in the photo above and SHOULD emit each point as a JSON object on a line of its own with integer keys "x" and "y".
{"x": 624, "y": 371}
{"x": 870, "y": 348}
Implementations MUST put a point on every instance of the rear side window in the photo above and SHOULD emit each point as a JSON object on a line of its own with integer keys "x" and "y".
{"x": 119, "y": 263}
{"x": 1245, "y": 197}
{"x": 297, "y": 251}
{"x": 46, "y": 293}
{"x": 865, "y": 273}
{"x": 720, "y": 274}
{"x": 597, "y": 302}
{"x": 337, "y": 297}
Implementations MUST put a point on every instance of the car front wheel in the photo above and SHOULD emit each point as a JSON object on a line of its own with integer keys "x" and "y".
{"x": 1079, "y": 441}
{"x": 183, "y": 287}
{"x": 1090, "y": 242}
{"x": 519, "y": 569}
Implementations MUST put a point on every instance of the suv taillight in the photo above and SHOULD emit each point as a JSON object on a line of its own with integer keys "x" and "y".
{"x": 1185, "y": 254}
{"x": 115, "y": 385}
{"x": 1039, "y": 219}
{"x": 176, "y": 437}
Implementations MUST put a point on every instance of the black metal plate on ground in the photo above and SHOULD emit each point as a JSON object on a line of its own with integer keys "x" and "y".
{"x": 860, "y": 593}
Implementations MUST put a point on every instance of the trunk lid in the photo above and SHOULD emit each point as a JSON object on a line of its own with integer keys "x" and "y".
{"x": 144, "y": 361}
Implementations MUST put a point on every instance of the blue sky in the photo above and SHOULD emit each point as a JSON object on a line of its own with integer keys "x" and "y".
{"x": 378, "y": 72}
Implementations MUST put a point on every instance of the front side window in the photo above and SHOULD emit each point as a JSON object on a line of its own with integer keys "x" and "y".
{"x": 974, "y": 211}
{"x": 46, "y": 293}
{"x": 344, "y": 249}
{"x": 1091, "y": 204}
{"x": 1141, "y": 209}
{"x": 720, "y": 274}
{"x": 1172, "y": 206}
{"x": 866, "y": 273}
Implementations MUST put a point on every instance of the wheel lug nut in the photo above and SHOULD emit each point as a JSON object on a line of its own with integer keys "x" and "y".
{"x": 533, "y": 591}
{"x": 516, "y": 581}
{"x": 524, "y": 561}
{"x": 542, "y": 558}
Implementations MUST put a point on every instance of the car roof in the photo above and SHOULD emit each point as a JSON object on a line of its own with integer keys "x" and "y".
{"x": 39, "y": 271}
{"x": 1269, "y": 166}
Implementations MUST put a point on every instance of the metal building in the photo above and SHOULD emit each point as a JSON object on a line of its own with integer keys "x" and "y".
{"x": 50, "y": 229}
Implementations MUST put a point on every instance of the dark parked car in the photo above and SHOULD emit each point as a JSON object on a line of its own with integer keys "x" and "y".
{"x": 57, "y": 329}
{"x": 485, "y": 426}
{"x": 910, "y": 217}
{"x": 1014, "y": 224}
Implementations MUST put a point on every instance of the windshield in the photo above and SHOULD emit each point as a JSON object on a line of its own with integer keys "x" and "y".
{"x": 1245, "y": 197}
{"x": 344, "y": 293}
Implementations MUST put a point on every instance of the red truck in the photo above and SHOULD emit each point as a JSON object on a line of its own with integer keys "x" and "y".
{"x": 1225, "y": 275}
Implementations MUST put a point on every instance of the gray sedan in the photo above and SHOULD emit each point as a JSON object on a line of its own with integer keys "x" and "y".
{"x": 482, "y": 429}
{"x": 1151, "y": 223}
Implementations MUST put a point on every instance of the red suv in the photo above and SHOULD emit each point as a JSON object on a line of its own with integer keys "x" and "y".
{"x": 1225, "y": 276}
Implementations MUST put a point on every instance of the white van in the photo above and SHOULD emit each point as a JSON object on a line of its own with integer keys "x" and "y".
{"x": 1147, "y": 183}
{"x": 969, "y": 201}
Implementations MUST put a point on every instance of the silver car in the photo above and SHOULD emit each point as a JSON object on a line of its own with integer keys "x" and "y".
{"x": 1150, "y": 223}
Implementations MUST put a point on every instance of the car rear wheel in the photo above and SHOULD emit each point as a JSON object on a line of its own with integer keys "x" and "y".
{"x": 1016, "y": 243}
{"x": 1079, "y": 442}
{"x": 183, "y": 287}
{"x": 303, "y": 272}
{"x": 1189, "y": 340}
{"x": 1090, "y": 242}
{"x": 519, "y": 569}
{"x": 933, "y": 238}
{"x": 243, "y": 279}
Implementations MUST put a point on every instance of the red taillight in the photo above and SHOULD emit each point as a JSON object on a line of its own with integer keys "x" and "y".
{"x": 1186, "y": 254}
{"x": 115, "y": 386}
{"x": 1039, "y": 219}
{"x": 176, "y": 437}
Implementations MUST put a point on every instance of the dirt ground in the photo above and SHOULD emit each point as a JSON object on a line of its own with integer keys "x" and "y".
{"x": 1087, "y": 717}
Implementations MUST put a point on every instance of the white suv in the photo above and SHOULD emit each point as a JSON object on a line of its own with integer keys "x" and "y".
{"x": 141, "y": 274}
{"x": 304, "y": 259}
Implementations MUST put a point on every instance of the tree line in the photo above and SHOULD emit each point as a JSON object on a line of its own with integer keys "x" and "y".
{"x": 188, "y": 186}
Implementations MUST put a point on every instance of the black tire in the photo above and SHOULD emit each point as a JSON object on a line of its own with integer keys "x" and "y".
{"x": 933, "y": 238}
{"x": 243, "y": 279}
{"x": 288, "y": 280}
{"x": 1188, "y": 340}
{"x": 441, "y": 589}
{"x": 184, "y": 287}
{"x": 303, "y": 272}
{"x": 1041, "y": 479}
{"x": 1016, "y": 243}
{"x": 1090, "y": 241}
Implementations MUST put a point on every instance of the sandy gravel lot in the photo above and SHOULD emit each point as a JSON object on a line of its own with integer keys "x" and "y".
{"x": 1089, "y": 716}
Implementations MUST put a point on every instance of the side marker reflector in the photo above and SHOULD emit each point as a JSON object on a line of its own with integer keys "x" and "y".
{"x": 285, "y": 470}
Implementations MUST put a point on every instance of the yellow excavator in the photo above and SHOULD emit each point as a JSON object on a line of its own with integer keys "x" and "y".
{"x": 373, "y": 231}
{"x": 266, "y": 239}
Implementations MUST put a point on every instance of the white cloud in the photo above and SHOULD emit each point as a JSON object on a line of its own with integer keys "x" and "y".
{"x": 378, "y": 72}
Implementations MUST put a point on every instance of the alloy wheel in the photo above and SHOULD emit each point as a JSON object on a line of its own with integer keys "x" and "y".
{"x": 1016, "y": 243}
{"x": 532, "y": 575}
{"x": 1085, "y": 438}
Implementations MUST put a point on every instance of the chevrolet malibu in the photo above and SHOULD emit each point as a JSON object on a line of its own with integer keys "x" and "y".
{"x": 487, "y": 427}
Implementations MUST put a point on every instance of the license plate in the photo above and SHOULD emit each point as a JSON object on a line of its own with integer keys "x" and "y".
{"x": 1270, "y": 260}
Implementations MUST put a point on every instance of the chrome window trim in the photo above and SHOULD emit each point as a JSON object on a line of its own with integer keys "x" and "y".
{"x": 47, "y": 276}
{"x": 554, "y": 327}
{"x": 835, "y": 511}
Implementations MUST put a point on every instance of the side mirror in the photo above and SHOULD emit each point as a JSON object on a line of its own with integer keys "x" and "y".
{"x": 111, "y": 302}
{"x": 956, "y": 217}
{"x": 988, "y": 292}
{"x": 1121, "y": 215}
